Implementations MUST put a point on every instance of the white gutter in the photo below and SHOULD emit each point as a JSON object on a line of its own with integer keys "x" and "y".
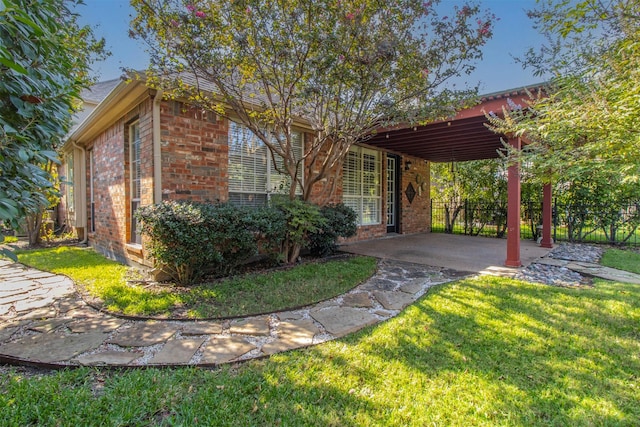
{"x": 157, "y": 149}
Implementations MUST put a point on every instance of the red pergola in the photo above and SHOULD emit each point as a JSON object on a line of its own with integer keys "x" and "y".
{"x": 465, "y": 137}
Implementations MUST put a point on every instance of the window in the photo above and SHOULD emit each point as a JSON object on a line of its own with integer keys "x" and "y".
{"x": 253, "y": 177}
{"x": 135, "y": 174}
{"x": 361, "y": 184}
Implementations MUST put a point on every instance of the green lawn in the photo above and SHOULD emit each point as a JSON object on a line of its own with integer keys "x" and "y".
{"x": 476, "y": 352}
{"x": 622, "y": 259}
{"x": 239, "y": 296}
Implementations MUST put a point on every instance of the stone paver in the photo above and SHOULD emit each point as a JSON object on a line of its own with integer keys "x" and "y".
{"x": 178, "y": 352}
{"x": 413, "y": 287}
{"x": 52, "y": 307}
{"x": 357, "y": 299}
{"x": 602, "y": 272}
{"x": 393, "y": 300}
{"x": 225, "y": 349}
{"x": 340, "y": 321}
{"x": 591, "y": 269}
{"x": 144, "y": 334}
{"x": 53, "y": 347}
{"x": 108, "y": 358}
{"x": 258, "y": 326}
{"x": 202, "y": 328}
{"x": 104, "y": 325}
{"x": 48, "y": 325}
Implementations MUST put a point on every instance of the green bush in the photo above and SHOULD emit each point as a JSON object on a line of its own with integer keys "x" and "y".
{"x": 269, "y": 227}
{"x": 340, "y": 221}
{"x": 302, "y": 219}
{"x": 189, "y": 239}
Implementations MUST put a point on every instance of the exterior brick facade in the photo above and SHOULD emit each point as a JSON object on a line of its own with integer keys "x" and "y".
{"x": 194, "y": 156}
{"x": 109, "y": 156}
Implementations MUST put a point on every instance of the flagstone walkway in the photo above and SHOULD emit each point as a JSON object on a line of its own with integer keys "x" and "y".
{"x": 44, "y": 322}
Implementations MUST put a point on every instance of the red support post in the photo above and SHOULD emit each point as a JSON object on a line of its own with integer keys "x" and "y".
{"x": 513, "y": 210}
{"x": 546, "y": 217}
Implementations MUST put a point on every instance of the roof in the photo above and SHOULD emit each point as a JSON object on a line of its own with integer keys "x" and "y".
{"x": 99, "y": 91}
{"x": 462, "y": 138}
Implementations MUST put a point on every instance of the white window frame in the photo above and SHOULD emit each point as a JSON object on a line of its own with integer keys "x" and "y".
{"x": 135, "y": 179}
{"x": 362, "y": 184}
{"x": 253, "y": 178}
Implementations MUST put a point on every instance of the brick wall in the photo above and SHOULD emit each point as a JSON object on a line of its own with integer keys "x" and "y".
{"x": 111, "y": 186}
{"x": 416, "y": 215}
{"x": 195, "y": 154}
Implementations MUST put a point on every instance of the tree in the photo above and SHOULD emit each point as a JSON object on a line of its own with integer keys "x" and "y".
{"x": 478, "y": 187}
{"x": 588, "y": 116}
{"x": 44, "y": 62}
{"x": 346, "y": 67}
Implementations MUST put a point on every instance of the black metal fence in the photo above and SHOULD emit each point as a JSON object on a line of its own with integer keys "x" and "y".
{"x": 584, "y": 223}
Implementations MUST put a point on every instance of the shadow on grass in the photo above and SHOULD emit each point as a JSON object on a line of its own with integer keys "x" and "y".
{"x": 474, "y": 352}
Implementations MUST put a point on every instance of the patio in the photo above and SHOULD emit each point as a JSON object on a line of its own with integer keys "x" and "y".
{"x": 462, "y": 253}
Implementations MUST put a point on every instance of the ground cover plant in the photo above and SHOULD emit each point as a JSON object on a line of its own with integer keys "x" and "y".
{"x": 483, "y": 352}
{"x": 274, "y": 290}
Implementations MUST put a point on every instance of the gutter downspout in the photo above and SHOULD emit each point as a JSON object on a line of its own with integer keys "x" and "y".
{"x": 83, "y": 197}
{"x": 157, "y": 149}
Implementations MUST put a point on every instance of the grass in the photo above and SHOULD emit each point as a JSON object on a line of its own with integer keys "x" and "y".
{"x": 622, "y": 260}
{"x": 239, "y": 296}
{"x": 483, "y": 352}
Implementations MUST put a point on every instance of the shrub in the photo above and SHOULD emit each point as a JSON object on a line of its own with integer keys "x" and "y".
{"x": 189, "y": 239}
{"x": 269, "y": 227}
{"x": 302, "y": 219}
{"x": 340, "y": 221}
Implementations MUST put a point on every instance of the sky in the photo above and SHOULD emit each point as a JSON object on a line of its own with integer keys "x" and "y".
{"x": 498, "y": 70}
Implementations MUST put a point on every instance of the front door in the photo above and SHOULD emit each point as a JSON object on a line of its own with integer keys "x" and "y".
{"x": 393, "y": 181}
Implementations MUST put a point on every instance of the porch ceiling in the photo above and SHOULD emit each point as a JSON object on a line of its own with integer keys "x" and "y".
{"x": 465, "y": 137}
{"x": 454, "y": 140}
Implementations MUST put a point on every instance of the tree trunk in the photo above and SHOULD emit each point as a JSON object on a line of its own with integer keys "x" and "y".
{"x": 34, "y": 226}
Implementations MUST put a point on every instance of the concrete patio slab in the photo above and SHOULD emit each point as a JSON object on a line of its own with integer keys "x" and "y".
{"x": 462, "y": 253}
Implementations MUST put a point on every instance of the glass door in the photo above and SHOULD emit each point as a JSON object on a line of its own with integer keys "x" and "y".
{"x": 393, "y": 180}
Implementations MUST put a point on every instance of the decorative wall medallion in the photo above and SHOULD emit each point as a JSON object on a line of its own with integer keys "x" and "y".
{"x": 410, "y": 192}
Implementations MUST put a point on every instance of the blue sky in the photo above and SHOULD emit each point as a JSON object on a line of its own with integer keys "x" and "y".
{"x": 498, "y": 71}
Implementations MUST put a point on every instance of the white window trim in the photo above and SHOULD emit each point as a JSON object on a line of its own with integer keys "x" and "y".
{"x": 357, "y": 201}
{"x": 134, "y": 234}
{"x": 265, "y": 179}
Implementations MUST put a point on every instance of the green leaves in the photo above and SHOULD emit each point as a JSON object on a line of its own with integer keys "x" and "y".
{"x": 44, "y": 61}
{"x": 343, "y": 68}
{"x": 588, "y": 117}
